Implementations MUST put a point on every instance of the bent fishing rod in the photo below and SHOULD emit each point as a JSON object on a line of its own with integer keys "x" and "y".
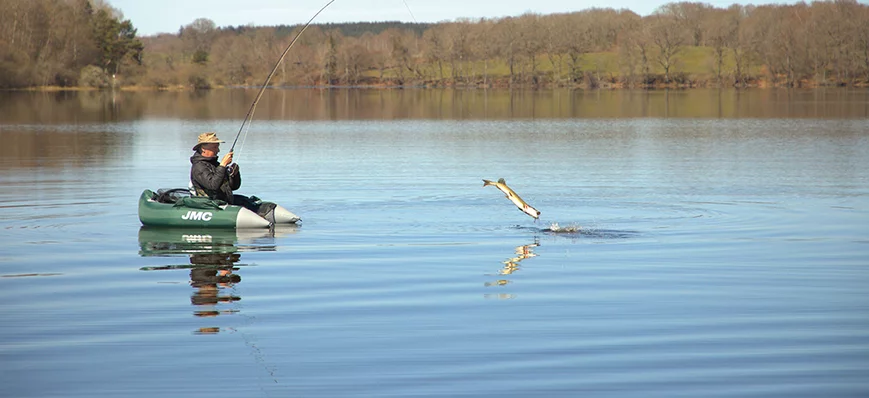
{"x": 247, "y": 119}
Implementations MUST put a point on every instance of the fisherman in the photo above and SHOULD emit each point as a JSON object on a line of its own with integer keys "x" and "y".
{"x": 207, "y": 176}
{"x": 218, "y": 180}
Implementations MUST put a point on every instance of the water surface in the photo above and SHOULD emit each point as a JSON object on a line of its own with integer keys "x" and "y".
{"x": 717, "y": 246}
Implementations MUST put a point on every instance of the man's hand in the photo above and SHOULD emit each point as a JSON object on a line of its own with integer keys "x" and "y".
{"x": 227, "y": 159}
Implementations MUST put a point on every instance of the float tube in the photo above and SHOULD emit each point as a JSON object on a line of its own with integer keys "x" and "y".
{"x": 179, "y": 210}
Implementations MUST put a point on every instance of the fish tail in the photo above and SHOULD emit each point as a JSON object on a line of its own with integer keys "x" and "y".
{"x": 487, "y": 182}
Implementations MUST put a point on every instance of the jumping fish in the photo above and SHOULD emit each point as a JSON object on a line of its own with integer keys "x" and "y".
{"x": 524, "y": 207}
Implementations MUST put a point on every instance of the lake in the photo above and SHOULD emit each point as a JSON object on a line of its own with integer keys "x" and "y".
{"x": 691, "y": 243}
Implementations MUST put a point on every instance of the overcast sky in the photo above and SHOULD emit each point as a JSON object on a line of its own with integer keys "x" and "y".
{"x": 159, "y": 16}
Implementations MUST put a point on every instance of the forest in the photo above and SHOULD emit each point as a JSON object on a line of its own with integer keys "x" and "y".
{"x": 89, "y": 44}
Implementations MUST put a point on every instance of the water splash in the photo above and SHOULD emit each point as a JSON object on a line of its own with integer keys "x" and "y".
{"x": 567, "y": 229}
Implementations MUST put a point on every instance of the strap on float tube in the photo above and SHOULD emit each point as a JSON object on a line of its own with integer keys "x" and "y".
{"x": 250, "y": 112}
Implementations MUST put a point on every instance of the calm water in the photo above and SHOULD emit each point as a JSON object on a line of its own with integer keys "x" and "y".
{"x": 721, "y": 246}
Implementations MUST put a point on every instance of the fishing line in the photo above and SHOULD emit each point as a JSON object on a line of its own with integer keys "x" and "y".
{"x": 245, "y": 124}
{"x": 247, "y": 119}
{"x": 411, "y": 12}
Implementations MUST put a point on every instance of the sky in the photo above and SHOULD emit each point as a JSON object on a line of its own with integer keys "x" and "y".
{"x": 167, "y": 16}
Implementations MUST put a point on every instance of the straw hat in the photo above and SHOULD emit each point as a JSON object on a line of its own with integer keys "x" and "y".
{"x": 207, "y": 138}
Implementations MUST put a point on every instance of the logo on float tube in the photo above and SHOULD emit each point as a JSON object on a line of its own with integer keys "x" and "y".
{"x": 197, "y": 215}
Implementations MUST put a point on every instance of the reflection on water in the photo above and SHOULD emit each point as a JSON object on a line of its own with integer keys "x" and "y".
{"x": 31, "y": 275}
{"x": 211, "y": 276}
{"x": 75, "y": 107}
{"x": 574, "y": 230}
{"x": 511, "y": 265}
{"x": 76, "y": 129}
{"x": 214, "y": 257}
{"x": 77, "y": 148}
{"x": 374, "y": 104}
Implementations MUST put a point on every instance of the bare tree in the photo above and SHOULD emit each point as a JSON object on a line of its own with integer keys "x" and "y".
{"x": 668, "y": 39}
{"x": 353, "y": 60}
{"x": 718, "y": 32}
{"x": 403, "y": 44}
{"x": 553, "y": 31}
{"x": 690, "y": 16}
{"x": 486, "y": 48}
{"x": 530, "y": 45}
{"x": 198, "y": 37}
{"x": 232, "y": 58}
{"x": 862, "y": 41}
{"x": 577, "y": 43}
{"x": 633, "y": 51}
{"x": 837, "y": 31}
{"x": 507, "y": 33}
{"x": 305, "y": 61}
{"x": 435, "y": 48}
{"x": 380, "y": 49}
{"x": 739, "y": 42}
{"x": 772, "y": 32}
{"x": 459, "y": 49}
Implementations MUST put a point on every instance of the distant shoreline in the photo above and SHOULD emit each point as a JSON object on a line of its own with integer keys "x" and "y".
{"x": 606, "y": 87}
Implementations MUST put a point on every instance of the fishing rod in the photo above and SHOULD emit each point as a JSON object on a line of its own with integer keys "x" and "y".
{"x": 247, "y": 119}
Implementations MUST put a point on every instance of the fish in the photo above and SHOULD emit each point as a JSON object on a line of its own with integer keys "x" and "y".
{"x": 524, "y": 207}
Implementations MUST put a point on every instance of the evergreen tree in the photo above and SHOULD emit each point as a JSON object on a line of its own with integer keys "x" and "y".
{"x": 115, "y": 39}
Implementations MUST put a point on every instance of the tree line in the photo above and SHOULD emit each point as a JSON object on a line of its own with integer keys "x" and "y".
{"x": 82, "y": 42}
{"x": 64, "y": 43}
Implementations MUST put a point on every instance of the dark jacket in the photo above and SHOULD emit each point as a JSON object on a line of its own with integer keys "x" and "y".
{"x": 211, "y": 179}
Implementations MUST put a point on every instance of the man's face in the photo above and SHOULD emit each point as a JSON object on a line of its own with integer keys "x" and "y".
{"x": 212, "y": 147}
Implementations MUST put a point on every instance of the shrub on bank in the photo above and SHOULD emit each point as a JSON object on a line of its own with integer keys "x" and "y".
{"x": 199, "y": 82}
{"x": 93, "y": 76}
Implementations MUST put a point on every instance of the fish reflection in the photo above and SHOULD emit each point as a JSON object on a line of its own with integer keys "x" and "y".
{"x": 214, "y": 262}
{"x": 511, "y": 265}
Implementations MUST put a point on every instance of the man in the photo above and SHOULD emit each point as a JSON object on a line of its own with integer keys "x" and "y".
{"x": 213, "y": 179}
{"x": 218, "y": 180}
